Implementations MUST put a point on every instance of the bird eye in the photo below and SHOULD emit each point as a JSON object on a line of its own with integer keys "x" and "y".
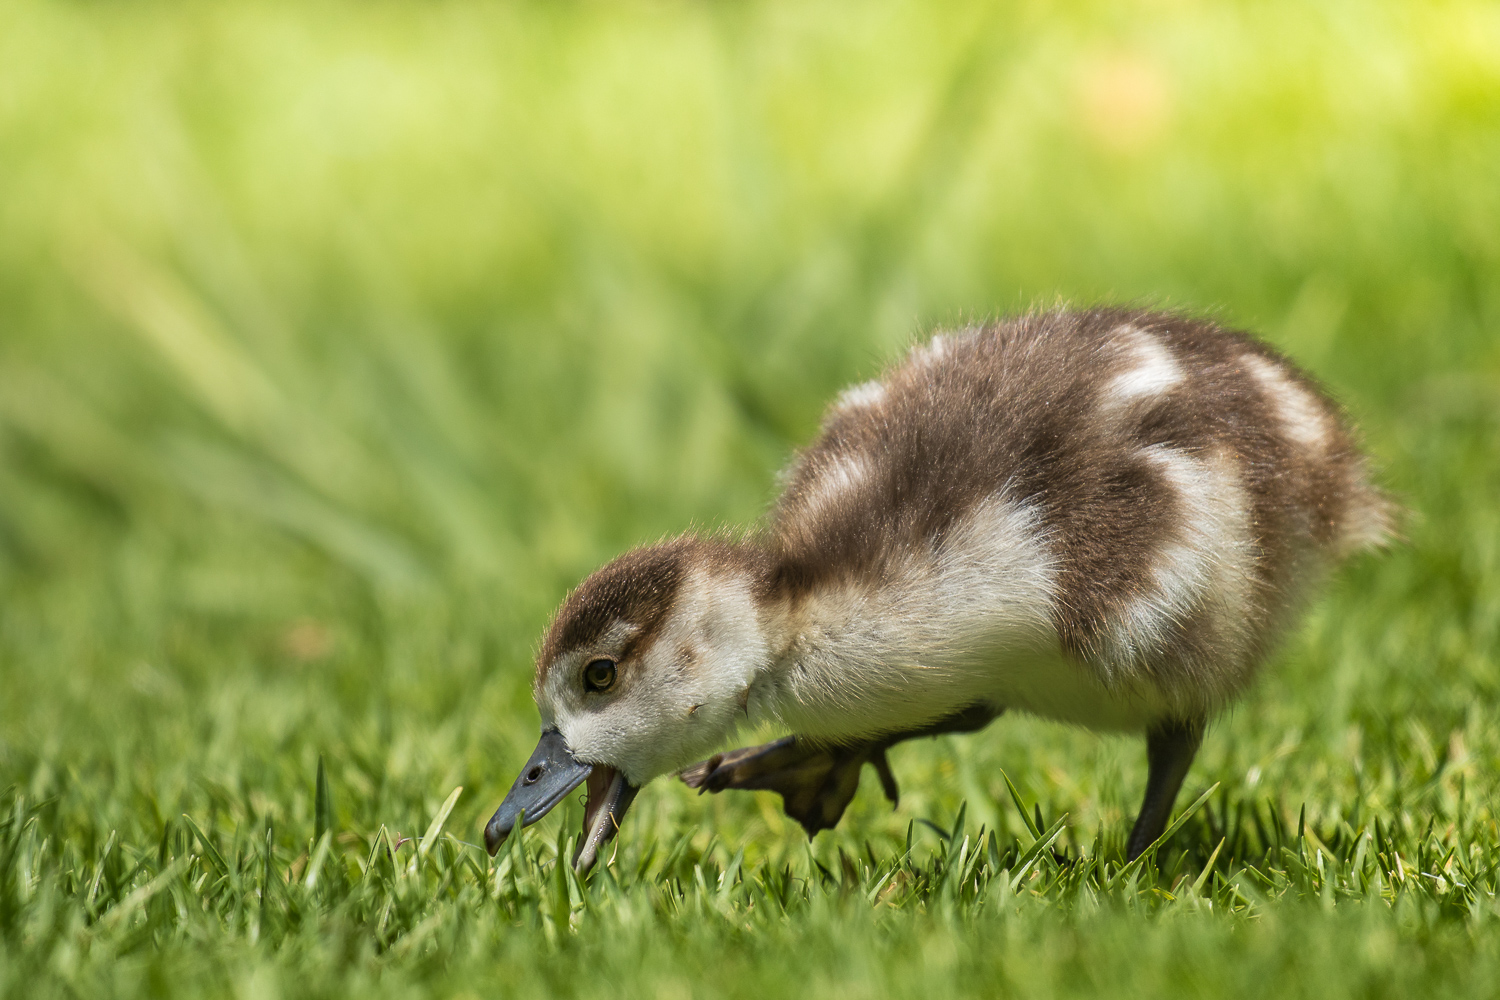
{"x": 599, "y": 675}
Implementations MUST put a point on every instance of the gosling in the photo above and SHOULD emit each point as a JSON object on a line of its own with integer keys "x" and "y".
{"x": 1102, "y": 517}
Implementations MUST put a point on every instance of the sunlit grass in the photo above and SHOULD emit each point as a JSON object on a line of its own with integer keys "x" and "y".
{"x": 337, "y": 341}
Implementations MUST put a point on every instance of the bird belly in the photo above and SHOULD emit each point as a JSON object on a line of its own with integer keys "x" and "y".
{"x": 903, "y": 694}
{"x": 1053, "y": 685}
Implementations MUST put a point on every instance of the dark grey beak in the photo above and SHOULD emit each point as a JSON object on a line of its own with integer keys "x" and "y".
{"x": 548, "y": 777}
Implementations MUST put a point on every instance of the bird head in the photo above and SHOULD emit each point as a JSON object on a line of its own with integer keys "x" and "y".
{"x": 645, "y": 668}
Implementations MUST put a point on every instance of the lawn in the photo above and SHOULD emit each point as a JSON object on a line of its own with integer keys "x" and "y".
{"x": 338, "y": 340}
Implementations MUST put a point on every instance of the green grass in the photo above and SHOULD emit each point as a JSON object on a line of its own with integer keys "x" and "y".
{"x": 337, "y": 340}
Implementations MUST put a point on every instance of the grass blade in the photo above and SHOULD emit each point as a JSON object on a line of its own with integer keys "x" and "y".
{"x": 1043, "y": 842}
{"x": 142, "y": 895}
{"x": 322, "y": 803}
{"x": 1166, "y": 835}
{"x": 209, "y": 850}
{"x": 1015, "y": 796}
{"x": 319, "y": 855}
{"x": 435, "y": 827}
{"x": 1207, "y": 868}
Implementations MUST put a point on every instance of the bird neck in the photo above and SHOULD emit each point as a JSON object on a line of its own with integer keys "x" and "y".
{"x": 817, "y": 641}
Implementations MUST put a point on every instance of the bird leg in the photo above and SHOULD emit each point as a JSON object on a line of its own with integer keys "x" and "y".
{"x": 817, "y": 781}
{"x": 1170, "y": 748}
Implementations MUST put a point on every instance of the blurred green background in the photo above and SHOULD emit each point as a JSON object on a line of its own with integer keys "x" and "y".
{"x": 338, "y": 340}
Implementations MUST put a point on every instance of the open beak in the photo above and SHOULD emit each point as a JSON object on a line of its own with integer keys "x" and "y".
{"x": 548, "y": 777}
{"x": 609, "y": 796}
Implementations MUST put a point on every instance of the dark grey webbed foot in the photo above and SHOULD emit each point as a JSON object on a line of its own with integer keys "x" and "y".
{"x": 816, "y": 783}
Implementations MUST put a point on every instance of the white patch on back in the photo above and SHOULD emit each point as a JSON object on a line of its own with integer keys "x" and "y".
{"x": 860, "y": 396}
{"x": 1153, "y": 371}
{"x": 931, "y": 352}
{"x": 1203, "y": 574}
{"x": 1303, "y": 417}
{"x": 838, "y": 475}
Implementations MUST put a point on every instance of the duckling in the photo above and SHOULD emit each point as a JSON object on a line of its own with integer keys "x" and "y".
{"x": 1101, "y": 517}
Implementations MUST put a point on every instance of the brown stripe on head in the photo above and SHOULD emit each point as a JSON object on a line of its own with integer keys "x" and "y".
{"x": 628, "y": 601}
{"x": 637, "y": 591}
